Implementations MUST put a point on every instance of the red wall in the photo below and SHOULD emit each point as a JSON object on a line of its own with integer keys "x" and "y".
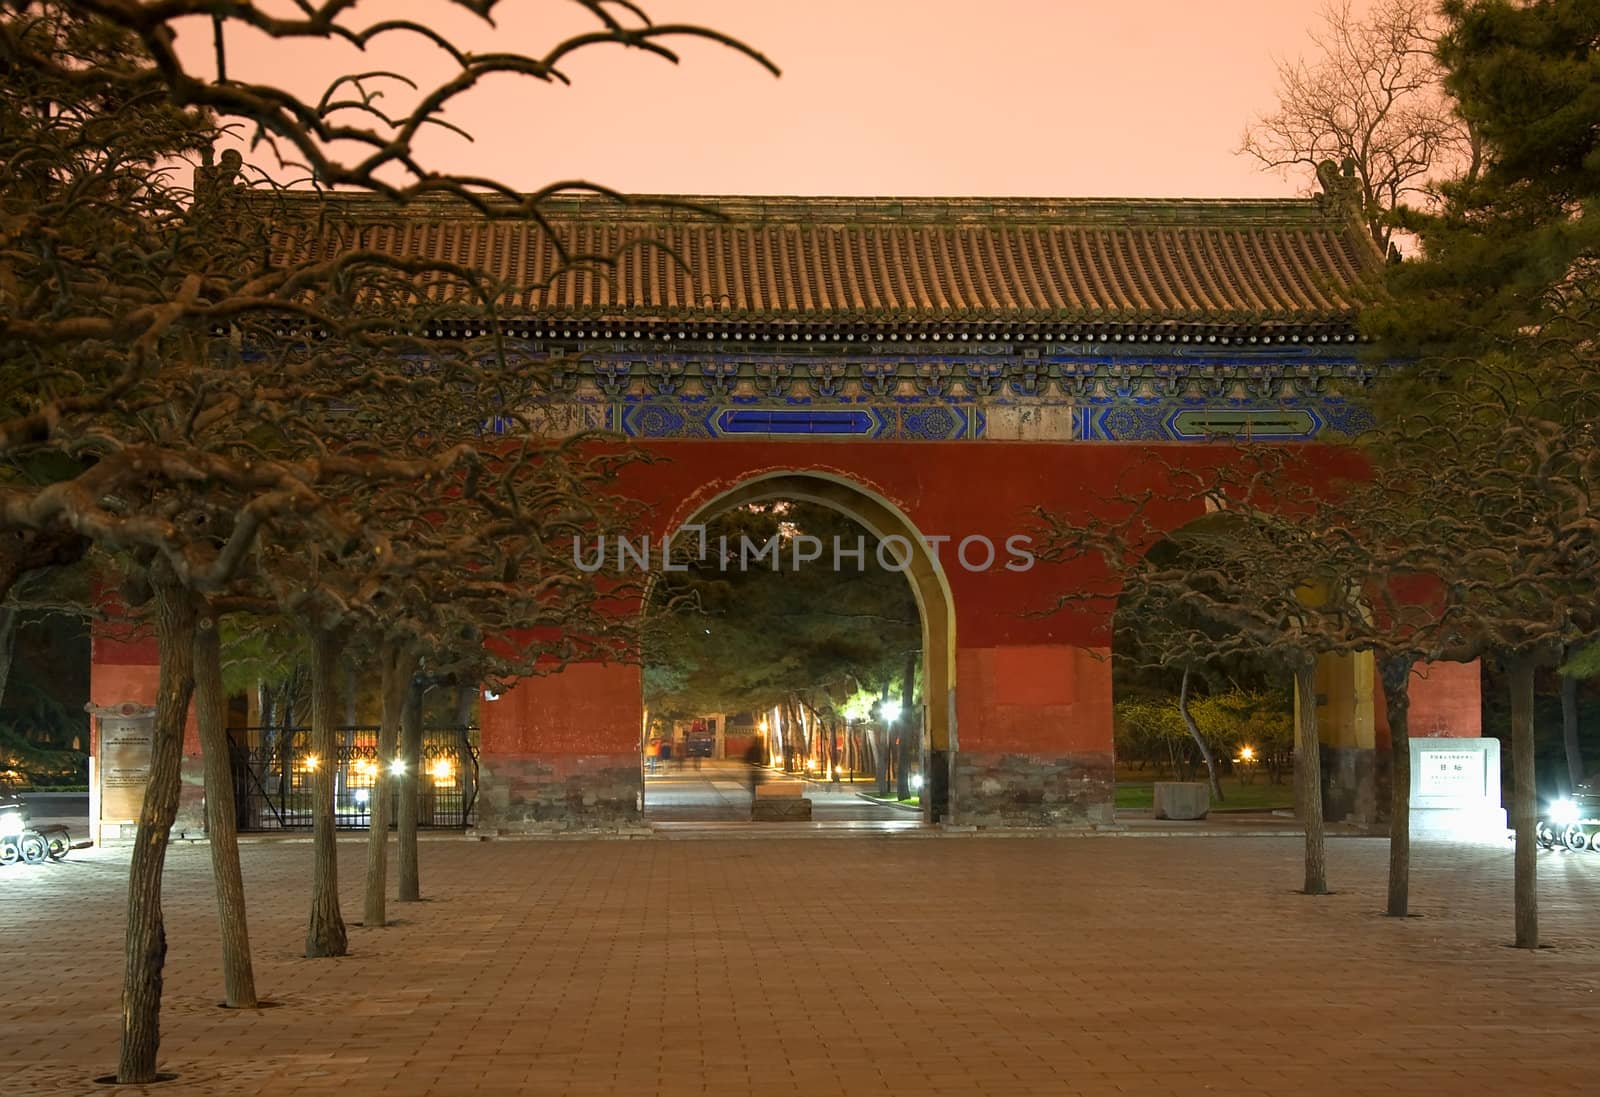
{"x": 126, "y": 670}
{"x": 587, "y": 709}
{"x": 1045, "y": 699}
{"x": 1446, "y": 700}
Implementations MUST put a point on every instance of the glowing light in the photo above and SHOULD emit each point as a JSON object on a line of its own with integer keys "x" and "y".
{"x": 397, "y": 766}
{"x": 1247, "y": 754}
{"x": 811, "y": 763}
{"x": 361, "y": 795}
{"x": 891, "y": 710}
{"x": 310, "y": 761}
{"x": 916, "y": 781}
{"x": 442, "y": 770}
{"x": 1564, "y": 812}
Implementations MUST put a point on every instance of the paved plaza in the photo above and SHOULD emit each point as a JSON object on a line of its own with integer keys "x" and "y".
{"x": 823, "y": 965}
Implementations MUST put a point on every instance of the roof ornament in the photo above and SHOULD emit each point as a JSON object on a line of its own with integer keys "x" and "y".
{"x": 1340, "y": 186}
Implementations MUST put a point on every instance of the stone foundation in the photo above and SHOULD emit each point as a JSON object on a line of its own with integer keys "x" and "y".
{"x": 531, "y": 795}
{"x": 1030, "y": 790}
{"x": 936, "y": 786}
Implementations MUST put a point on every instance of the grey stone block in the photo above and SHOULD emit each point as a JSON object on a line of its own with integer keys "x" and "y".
{"x": 780, "y": 809}
{"x": 1182, "y": 799}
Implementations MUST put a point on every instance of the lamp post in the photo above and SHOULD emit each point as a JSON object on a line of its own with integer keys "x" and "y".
{"x": 889, "y": 711}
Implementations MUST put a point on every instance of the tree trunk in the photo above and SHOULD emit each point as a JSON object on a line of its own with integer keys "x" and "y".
{"x": 8, "y": 641}
{"x": 146, "y": 944}
{"x": 1199, "y": 741}
{"x": 884, "y": 736}
{"x": 410, "y": 792}
{"x": 286, "y": 745}
{"x": 210, "y": 709}
{"x": 326, "y": 934}
{"x": 1569, "y": 729}
{"x": 1395, "y": 671}
{"x": 352, "y": 696}
{"x": 397, "y": 666}
{"x": 466, "y": 766}
{"x": 791, "y": 733}
{"x": 1308, "y": 777}
{"x": 1524, "y": 814}
{"x": 908, "y": 696}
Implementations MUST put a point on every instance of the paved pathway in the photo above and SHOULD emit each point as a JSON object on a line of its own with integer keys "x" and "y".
{"x": 875, "y": 965}
{"x": 719, "y": 792}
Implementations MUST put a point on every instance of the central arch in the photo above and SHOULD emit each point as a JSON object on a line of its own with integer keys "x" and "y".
{"x": 929, "y": 586}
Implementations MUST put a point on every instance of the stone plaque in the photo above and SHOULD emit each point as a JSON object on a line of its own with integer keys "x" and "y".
{"x": 122, "y": 761}
{"x": 1455, "y": 789}
{"x": 1452, "y": 773}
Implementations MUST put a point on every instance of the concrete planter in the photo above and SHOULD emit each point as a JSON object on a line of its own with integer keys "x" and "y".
{"x": 1182, "y": 799}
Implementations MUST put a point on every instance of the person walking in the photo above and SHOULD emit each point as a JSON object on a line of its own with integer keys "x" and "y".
{"x": 752, "y": 755}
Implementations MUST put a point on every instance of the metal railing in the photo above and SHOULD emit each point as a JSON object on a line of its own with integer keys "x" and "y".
{"x": 273, "y": 771}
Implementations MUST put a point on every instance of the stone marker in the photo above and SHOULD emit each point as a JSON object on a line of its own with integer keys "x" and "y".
{"x": 1455, "y": 789}
{"x": 1182, "y": 799}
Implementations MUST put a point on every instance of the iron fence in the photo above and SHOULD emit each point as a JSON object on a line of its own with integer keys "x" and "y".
{"x": 274, "y": 769}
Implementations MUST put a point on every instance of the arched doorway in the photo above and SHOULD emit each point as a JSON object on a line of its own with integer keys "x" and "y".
{"x": 905, "y": 544}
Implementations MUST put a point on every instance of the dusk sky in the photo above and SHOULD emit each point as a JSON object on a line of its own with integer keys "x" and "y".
{"x": 877, "y": 97}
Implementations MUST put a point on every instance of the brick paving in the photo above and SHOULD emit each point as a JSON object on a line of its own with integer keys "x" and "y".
{"x": 821, "y": 966}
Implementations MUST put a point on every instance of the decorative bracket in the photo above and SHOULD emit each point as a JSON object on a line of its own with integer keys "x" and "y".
{"x": 613, "y": 377}
{"x": 775, "y": 377}
{"x": 827, "y": 377}
{"x": 983, "y": 378}
{"x": 666, "y": 377}
{"x": 881, "y": 380}
{"x": 719, "y": 377}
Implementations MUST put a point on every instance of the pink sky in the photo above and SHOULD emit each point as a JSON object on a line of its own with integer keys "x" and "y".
{"x": 877, "y": 97}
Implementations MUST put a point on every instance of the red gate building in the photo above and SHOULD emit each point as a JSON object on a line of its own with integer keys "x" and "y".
{"x": 935, "y": 369}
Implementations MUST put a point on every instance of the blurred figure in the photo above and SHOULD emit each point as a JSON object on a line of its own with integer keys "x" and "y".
{"x": 752, "y": 755}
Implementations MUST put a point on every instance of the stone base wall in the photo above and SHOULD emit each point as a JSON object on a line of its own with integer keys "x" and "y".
{"x": 936, "y": 787}
{"x": 532, "y": 794}
{"x": 1349, "y": 785}
{"x": 1031, "y": 790}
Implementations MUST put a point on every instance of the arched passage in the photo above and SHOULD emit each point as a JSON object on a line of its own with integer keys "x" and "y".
{"x": 1161, "y": 637}
{"x": 935, "y": 605}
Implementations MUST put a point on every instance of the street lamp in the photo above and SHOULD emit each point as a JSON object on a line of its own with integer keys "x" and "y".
{"x": 889, "y": 712}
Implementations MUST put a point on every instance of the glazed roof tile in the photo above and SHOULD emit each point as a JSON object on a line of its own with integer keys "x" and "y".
{"x": 842, "y": 260}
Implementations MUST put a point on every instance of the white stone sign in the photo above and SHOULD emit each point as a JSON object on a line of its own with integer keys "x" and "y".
{"x": 1455, "y": 789}
{"x": 119, "y": 767}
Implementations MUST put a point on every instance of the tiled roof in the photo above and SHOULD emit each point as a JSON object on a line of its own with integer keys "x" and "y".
{"x": 784, "y": 261}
